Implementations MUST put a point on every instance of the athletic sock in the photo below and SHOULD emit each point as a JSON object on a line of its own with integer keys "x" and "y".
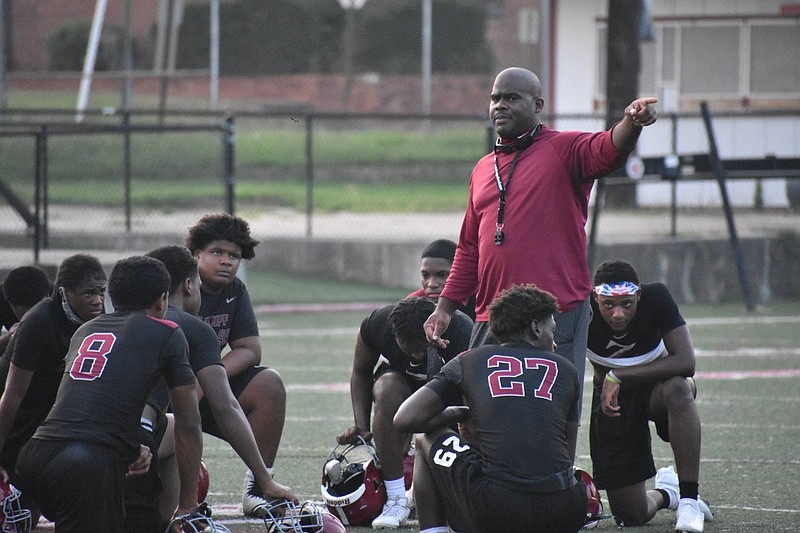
{"x": 395, "y": 488}
{"x": 438, "y": 529}
{"x": 665, "y": 495}
{"x": 688, "y": 489}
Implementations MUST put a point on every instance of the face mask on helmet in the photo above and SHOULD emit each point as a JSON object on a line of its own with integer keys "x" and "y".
{"x": 198, "y": 521}
{"x": 594, "y": 507}
{"x": 352, "y": 484}
{"x": 13, "y": 518}
{"x": 308, "y": 517}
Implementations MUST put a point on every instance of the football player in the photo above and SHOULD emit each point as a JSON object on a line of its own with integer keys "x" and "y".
{"x": 643, "y": 360}
{"x": 435, "y": 265}
{"x": 92, "y": 431}
{"x": 204, "y": 356}
{"x": 511, "y": 467}
{"x": 33, "y": 364}
{"x": 219, "y": 243}
{"x": 23, "y": 288}
{"x": 393, "y": 359}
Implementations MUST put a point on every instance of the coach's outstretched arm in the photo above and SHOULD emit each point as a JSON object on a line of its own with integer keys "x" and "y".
{"x": 625, "y": 133}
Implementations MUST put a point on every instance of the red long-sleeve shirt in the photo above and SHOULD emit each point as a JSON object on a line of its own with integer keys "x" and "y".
{"x": 547, "y": 202}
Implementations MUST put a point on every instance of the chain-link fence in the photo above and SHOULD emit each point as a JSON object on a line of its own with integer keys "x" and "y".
{"x": 120, "y": 177}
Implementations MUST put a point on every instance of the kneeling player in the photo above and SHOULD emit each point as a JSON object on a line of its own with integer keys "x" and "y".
{"x": 643, "y": 359}
{"x": 515, "y": 471}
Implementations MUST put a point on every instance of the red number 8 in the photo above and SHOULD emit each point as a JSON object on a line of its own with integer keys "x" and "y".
{"x": 91, "y": 360}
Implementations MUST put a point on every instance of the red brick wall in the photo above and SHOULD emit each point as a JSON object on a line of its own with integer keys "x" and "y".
{"x": 468, "y": 95}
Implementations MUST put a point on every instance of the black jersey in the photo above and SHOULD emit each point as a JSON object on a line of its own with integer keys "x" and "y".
{"x": 378, "y": 336}
{"x": 39, "y": 346}
{"x": 112, "y": 364}
{"x": 521, "y": 399}
{"x": 230, "y": 313}
{"x": 203, "y": 350}
{"x": 656, "y": 315}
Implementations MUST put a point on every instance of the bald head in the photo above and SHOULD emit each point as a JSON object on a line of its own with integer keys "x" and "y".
{"x": 516, "y": 102}
{"x": 522, "y": 77}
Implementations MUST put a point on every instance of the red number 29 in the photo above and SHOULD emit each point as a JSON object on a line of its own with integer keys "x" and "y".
{"x": 91, "y": 360}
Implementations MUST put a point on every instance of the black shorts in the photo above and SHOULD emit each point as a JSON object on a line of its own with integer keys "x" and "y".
{"x": 474, "y": 503}
{"x": 383, "y": 368}
{"x": 78, "y": 485}
{"x": 620, "y": 446}
{"x": 238, "y": 383}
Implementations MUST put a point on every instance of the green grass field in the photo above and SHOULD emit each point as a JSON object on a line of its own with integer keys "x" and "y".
{"x": 749, "y": 396}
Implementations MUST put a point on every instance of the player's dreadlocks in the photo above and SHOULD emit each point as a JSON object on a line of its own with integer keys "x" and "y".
{"x": 408, "y": 316}
{"x": 615, "y": 271}
{"x": 137, "y": 282}
{"x": 179, "y": 262}
{"x": 511, "y": 313}
{"x": 221, "y": 227}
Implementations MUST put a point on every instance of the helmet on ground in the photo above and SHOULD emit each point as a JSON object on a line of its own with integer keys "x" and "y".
{"x": 284, "y": 516}
{"x": 594, "y": 507}
{"x": 198, "y": 521}
{"x": 352, "y": 484}
{"x": 203, "y": 482}
{"x": 13, "y": 518}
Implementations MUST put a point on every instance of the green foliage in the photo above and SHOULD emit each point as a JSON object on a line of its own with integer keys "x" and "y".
{"x": 300, "y": 36}
{"x": 66, "y": 47}
{"x": 389, "y": 37}
{"x": 257, "y": 37}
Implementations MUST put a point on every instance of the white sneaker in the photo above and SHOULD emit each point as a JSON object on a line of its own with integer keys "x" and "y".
{"x": 705, "y": 509}
{"x": 690, "y": 517}
{"x": 412, "y": 504}
{"x": 253, "y": 501}
{"x": 667, "y": 480}
{"x": 395, "y": 514}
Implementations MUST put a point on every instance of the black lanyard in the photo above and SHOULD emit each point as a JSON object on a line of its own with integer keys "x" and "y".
{"x": 503, "y": 187}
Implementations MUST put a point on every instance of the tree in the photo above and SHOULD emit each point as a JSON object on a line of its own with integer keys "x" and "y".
{"x": 622, "y": 78}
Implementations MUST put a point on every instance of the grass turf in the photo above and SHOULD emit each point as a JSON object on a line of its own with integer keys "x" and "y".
{"x": 749, "y": 471}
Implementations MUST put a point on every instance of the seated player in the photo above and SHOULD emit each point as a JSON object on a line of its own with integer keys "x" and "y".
{"x": 437, "y": 260}
{"x": 204, "y": 356}
{"x": 520, "y": 402}
{"x": 75, "y": 463}
{"x": 23, "y": 288}
{"x": 393, "y": 359}
{"x": 643, "y": 360}
{"x": 33, "y": 364}
{"x": 219, "y": 243}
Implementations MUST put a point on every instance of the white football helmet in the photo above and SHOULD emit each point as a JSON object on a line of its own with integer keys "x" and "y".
{"x": 13, "y": 518}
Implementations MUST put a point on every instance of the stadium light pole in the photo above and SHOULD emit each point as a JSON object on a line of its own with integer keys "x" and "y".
{"x": 213, "y": 85}
{"x": 427, "y": 26}
{"x": 3, "y": 53}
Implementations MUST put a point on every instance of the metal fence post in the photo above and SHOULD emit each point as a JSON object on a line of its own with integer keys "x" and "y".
{"x": 719, "y": 172}
{"x": 229, "y": 140}
{"x": 126, "y": 136}
{"x": 309, "y": 173}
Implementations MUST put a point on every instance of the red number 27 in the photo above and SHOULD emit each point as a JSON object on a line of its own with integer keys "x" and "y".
{"x": 511, "y": 367}
{"x": 91, "y": 360}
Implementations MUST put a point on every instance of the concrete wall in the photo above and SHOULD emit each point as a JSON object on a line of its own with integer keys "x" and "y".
{"x": 702, "y": 271}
